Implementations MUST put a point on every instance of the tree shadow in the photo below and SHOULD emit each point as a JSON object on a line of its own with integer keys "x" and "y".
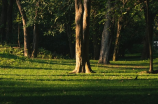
{"x": 93, "y": 91}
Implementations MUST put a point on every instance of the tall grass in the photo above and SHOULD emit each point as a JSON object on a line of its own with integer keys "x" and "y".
{"x": 46, "y": 81}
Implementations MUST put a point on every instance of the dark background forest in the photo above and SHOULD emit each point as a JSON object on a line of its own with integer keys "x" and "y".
{"x": 55, "y": 26}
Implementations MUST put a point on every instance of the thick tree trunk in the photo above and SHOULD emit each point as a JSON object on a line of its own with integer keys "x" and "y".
{"x": 117, "y": 43}
{"x": 86, "y": 21}
{"x": 79, "y": 35}
{"x": 9, "y": 20}
{"x": 149, "y": 23}
{"x": 26, "y": 36}
{"x": 3, "y": 20}
{"x": 82, "y": 37}
{"x": 106, "y": 38}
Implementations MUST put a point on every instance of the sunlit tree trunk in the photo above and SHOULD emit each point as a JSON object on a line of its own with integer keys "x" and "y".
{"x": 106, "y": 38}
{"x": 82, "y": 37}
{"x": 79, "y": 35}
{"x": 3, "y": 20}
{"x": 26, "y": 37}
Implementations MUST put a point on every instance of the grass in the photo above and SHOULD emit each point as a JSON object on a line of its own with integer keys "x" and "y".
{"x": 46, "y": 81}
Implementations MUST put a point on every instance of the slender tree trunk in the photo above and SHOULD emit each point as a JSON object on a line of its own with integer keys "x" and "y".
{"x": 149, "y": 23}
{"x": 145, "y": 53}
{"x": 82, "y": 37}
{"x": 106, "y": 38}
{"x": 26, "y": 36}
{"x": 9, "y": 20}
{"x": 35, "y": 34}
{"x": 3, "y": 20}
{"x": 19, "y": 35}
{"x": 35, "y": 41}
{"x": 117, "y": 43}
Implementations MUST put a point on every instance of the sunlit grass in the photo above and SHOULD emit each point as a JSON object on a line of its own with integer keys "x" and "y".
{"x": 41, "y": 81}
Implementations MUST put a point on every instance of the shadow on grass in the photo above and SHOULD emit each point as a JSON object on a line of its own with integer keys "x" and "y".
{"x": 105, "y": 92}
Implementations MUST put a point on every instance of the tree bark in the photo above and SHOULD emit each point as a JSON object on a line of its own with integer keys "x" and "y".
{"x": 86, "y": 22}
{"x": 106, "y": 38}
{"x": 82, "y": 37}
{"x": 79, "y": 35}
{"x": 35, "y": 41}
{"x": 3, "y": 20}
{"x": 35, "y": 34}
{"x": 149, "y": 23}
{"x": 117, "y": 43}
{"x": 9, "y": 20}
{"x": 26, "y": 36}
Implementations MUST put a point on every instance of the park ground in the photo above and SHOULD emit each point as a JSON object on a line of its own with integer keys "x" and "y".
{"x": 47, "y": 81}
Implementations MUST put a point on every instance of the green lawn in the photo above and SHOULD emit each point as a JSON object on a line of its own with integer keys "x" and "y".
{"x": 41, "y": 81}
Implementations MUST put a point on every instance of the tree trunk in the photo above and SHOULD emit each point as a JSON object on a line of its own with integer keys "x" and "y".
{"x": 79, "y": 35}
{"x": 149, "y": 23}
{"x": 3, "y": 20}
{"x": 106, "y": 38}
{"x": 26, "y": 36}
{"x": 35, "y": 41}
{"x": 86, "y": 21}
{"x": 82, "y": 37}
{"x": 19, "y": 45}
{"x": 9, "y": 20}
{"x": 35, "y": 34}
{"x": 117, "y": 43}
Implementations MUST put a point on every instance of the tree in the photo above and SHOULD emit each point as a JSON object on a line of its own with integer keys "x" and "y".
{"x": 149, "y": 24}
{"x": 35, "y": 32}
{"x": 82, "y": 36}
{"x": 106, "y": 37}
{"x": 25, "y": 29}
